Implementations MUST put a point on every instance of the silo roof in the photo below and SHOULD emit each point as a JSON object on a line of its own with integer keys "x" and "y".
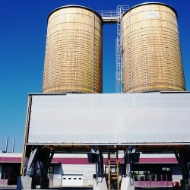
{"x": 149, "y": 3}
{"x": 69, "y": 6}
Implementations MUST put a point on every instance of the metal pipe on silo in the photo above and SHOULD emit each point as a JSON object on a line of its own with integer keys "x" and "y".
{"x": 151, "y": 49}
{"x": 73, "y": 59}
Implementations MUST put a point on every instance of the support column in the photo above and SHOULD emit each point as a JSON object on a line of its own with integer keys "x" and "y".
{"x": 183, "y": 158}
{"x": 99, "y": 180}
{"x": 36, "y": 169}
{"x": 47, "y": 157}
{"x": 131, "y": 156}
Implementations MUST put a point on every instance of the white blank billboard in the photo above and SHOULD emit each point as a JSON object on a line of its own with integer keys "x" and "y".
{"x": 110, "y": 118}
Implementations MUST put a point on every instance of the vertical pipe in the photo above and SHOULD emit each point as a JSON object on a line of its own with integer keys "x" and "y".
{"x": 6, "y": 145}
{"x": 13, "y": 146}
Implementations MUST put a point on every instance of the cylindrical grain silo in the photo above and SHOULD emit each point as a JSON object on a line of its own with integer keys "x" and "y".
{"x": 151, "y": 49}
{"x": 73, "y": 59}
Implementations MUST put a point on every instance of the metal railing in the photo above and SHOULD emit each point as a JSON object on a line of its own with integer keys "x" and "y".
{"x": 107, "y": 13}
{"x": 153, "y": 180}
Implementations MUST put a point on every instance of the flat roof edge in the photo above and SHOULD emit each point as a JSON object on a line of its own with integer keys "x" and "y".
{"x": 160, "y": 92}
{"x": 149, "y": 3}
{"x": 78, "y": 6}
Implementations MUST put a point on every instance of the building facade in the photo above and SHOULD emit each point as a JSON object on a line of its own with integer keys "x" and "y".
{"x": 74, "y": 170}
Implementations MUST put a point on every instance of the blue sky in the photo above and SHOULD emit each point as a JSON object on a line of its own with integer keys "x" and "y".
{"x": 22, "y": 49}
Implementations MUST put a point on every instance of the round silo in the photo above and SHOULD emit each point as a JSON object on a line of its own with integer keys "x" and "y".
{"x": 151, "y": 49}
{"x": 73, "y": 59}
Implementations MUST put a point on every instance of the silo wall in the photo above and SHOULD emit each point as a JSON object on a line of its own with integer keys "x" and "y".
{"x": 151, "y": 49}
{"x": 73, "y": 58}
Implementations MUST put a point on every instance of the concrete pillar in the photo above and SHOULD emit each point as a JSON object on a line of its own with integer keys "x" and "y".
{"x": 0, "y": 170}
{"x": 100, "y": 183}
{"x": 24, "y": 182}
{"x": 127, "y": 184}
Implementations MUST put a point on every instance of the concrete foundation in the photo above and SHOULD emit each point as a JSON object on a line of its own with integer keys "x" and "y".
{"x": 126, "y": 184}
{"x": 24, "y": 182}
{"x": 100, "y": 184}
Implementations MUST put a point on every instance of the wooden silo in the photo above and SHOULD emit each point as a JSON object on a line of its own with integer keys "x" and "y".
{"x": 73, "y": 59}
{"x": 151, "y": 49}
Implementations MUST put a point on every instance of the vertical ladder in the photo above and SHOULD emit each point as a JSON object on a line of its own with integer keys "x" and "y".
{"x": 119, "y": 47}
{"x": 119, "y": 50}
{"x": 113, "y": 170}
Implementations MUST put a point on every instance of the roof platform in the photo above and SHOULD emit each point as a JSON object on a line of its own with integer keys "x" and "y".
{"x": 109, "y": 16}
{"x": 110, "y": 20}
{"x": 113, "y": 16}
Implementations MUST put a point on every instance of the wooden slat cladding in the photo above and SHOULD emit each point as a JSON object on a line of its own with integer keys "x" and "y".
{"x": 151, "y": 50}
{"x": 73, "y": 59}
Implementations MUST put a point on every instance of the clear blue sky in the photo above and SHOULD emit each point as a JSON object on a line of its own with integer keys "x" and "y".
{"x": 23, "y": 25}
